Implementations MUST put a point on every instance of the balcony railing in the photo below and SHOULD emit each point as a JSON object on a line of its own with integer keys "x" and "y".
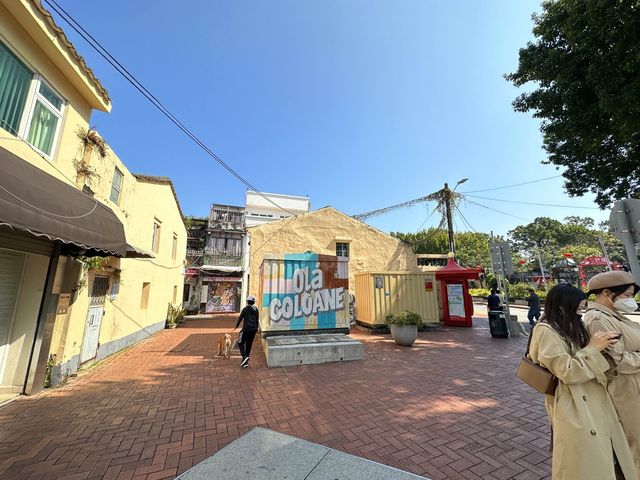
{"x": 226, "y": 218}
{"x": 192, "y": 252}
{"x": 222, "y": 260}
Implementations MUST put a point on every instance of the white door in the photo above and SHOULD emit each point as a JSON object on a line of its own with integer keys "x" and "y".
{"x": 11, "y": 265}
{"x": 94, "y": 319}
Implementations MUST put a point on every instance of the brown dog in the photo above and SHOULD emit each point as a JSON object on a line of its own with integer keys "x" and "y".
{"x": 224, "y": 346}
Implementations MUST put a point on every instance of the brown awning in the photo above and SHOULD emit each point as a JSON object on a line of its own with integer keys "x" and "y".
{"x": 33, "y": 201}
{"x": 137, "y": 252}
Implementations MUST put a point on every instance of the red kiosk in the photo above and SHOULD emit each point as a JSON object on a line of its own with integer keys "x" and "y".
{"x": 457, "y": 305}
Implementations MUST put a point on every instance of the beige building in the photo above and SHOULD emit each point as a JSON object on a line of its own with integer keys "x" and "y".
{"x": 330, "y": 232}
{"x": 65, "y": 196}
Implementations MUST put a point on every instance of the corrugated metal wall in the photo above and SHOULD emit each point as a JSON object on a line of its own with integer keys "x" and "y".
{"x": 378, "y": 294}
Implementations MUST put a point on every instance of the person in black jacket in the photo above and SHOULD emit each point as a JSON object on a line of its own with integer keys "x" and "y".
{"x": 249, "y": 318}
{"x": 493, "y": 301}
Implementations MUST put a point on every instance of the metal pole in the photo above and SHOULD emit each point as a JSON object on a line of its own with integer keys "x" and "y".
{"x": 506, "y": 293}
{"x": 604, "y": 252}
{"x": 447, "y": 203}
{"x": 544, "y": 281}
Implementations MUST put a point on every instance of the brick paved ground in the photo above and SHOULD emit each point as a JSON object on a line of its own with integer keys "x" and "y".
{"x": 448, "y": 408}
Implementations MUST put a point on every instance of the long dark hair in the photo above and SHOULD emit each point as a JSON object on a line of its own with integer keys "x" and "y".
{"x": 560, "y": 312}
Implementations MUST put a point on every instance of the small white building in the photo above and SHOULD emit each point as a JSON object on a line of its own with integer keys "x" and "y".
{"x": 259, "y": 210}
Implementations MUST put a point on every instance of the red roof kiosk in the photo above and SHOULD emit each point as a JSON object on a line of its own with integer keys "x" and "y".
{"x": 457, "y": 305}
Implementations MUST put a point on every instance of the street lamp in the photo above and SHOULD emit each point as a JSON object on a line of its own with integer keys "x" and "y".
{"x": 460, "y": 182}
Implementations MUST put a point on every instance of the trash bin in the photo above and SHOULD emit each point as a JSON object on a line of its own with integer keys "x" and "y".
{"x": 498, "y": 324}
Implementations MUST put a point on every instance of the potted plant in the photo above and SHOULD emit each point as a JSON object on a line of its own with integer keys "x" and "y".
{"x": 174, "y": 316}
{"x": 404, "y": 327}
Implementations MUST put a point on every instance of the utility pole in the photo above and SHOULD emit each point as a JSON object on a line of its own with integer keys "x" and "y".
{"x": 604, "y": 252}
{"x": 544, "y": 281}
{"x": 447, "y": 204}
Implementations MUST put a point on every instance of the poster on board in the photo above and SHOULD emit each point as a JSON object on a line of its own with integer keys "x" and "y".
{"x": 455, "y": 299}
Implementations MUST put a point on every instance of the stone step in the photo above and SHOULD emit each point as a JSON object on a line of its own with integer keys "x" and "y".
{"x": 287, "y": 351}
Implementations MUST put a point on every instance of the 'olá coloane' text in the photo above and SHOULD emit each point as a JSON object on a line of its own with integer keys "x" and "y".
{"x": 309, "y": 297}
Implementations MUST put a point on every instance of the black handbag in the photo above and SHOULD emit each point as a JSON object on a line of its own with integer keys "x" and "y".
{"x": 534, "y": 375}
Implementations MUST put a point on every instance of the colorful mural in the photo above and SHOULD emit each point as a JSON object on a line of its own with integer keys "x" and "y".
{"x": 222, "y": 297}
{"x": 304, "y": 291}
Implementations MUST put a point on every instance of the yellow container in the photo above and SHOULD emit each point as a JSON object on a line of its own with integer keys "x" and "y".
{"x": 379, "y": 294}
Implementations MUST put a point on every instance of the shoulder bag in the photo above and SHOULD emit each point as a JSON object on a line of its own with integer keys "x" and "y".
{"x": 534, "y": 375}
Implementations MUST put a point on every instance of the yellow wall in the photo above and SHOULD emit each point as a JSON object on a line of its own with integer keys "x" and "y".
{"x": 124, "y": 315}
{"x": 77, "y": 111}
{"x": 369, "y": 249}
{"x": 399, "y": 292}
{"x": 26, "y": 32}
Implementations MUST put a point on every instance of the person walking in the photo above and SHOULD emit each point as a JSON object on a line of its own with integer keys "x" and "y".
{"x": 533, "y": 302}
{"x": 615, "y": 292}
{"x": 249, "y": 318}
{"x": 493, "y": 301}
{"x": 588, "y": 442}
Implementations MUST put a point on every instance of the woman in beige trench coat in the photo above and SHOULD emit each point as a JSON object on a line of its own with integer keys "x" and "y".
{"x": 586, "y": 430}
{"x": 614, "y": 296}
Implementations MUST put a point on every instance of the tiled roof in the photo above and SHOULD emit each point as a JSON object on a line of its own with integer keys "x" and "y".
{"x": 71, "y": 49}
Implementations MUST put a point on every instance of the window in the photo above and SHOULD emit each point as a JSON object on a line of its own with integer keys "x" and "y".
{"x": 29, "y": 107}
{"x": 144, "y": 300}
{"x": 175, "y": 294}
{"x": 116, "y": 186}
{"x": 45, "y": 118}
{"x": 174, "y": 248}
{"x": 342, "y": 249}
{"x": 15, "y": 79}
{"x": 155, "y": 241}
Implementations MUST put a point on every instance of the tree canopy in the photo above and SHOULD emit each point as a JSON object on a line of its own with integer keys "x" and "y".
{"x": 472, "y": 248}
{"x": 585, "y": 61}
{"x": 575, "y": 235}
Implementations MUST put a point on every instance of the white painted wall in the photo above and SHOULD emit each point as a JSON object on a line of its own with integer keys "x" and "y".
{"x": 260, "y": 211}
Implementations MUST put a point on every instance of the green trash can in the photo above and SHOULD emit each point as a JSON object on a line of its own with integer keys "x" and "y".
{"x": 498, "y": 324}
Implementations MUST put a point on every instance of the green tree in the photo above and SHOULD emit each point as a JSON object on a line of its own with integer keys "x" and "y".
{"x": 472, "y": 248}
{"x": 555, "y": 238}
{"x": 586, "y": 63}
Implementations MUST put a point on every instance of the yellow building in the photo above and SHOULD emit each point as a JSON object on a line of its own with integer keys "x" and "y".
{"x": 64, "y": 195}
{"x": 330, "y": 232}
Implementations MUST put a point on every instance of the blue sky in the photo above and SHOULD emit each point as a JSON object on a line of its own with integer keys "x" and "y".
{"x": 357, "y": 104}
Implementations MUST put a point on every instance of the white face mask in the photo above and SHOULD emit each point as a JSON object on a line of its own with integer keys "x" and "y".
{"x": 627, "y": 305}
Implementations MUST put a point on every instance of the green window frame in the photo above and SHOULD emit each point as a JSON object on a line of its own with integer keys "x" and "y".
{"x": 15, "y": 81}
{"x": 29, "y": 107}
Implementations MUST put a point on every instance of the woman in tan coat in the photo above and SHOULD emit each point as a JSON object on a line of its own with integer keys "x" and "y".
{"x": 588, "y": 441}
{"x": 615, "y": 293}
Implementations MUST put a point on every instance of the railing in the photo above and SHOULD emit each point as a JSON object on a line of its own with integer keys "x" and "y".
{"x": 229, "y": 218}
{"x": 191, "y": 252}
{"x": 222, "y": 260}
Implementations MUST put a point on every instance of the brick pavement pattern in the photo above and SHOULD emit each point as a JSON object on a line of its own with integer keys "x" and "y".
{"x": 450, "y": 407}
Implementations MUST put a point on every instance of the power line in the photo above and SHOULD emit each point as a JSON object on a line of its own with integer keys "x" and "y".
{"x": 149, "y": 96}
{"x": 511, "y": 186}
{"x": 498, "y": 211}
{"x": 464, "y": 220}
{"x": 426, "y": 219}
{"x": 531, "y": 203}
{"x": 95, "y": 205}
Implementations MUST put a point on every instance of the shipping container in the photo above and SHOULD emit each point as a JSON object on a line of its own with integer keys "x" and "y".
{"x": 304, "y": 292}
{"x": 379, "y": 294}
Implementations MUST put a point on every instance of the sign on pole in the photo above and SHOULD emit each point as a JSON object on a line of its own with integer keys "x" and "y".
{"x": 624, "y": 222}
{"x": 501, "y": 261}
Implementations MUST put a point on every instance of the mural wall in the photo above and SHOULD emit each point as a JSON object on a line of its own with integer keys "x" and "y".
{"x": 222, "y": 296}
{"x": 304, "y": 291}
